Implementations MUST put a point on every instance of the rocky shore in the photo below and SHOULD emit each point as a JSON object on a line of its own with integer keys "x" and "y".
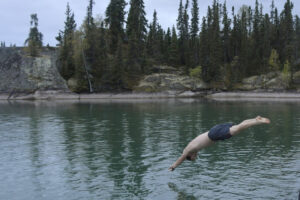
{"x": 62, "y": 95}
{"x": 27, "y": 78}
{"x": 255, "y": 96}
{"x": 221, "y": 96}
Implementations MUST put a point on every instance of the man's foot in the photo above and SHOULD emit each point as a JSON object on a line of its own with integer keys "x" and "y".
{"x": 263, "y": 120}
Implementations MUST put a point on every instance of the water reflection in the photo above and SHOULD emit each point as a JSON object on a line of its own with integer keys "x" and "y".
{"x": 121, "y": 150}
{"x": 181, "y": 193}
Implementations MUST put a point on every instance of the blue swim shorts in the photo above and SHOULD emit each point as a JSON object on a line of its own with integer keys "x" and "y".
{"x": 220, "y": 132}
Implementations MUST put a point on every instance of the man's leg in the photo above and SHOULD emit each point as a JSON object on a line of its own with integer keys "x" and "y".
{"x": 248, "y": 123}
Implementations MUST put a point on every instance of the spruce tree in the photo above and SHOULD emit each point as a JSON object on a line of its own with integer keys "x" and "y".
{"x": 153, "y": 48}
{"x": 115, "y": 18}
{"x": 204, "y": 49}
{"x": 215, "y": 50}
{"x": 287, "y": 36}
{"x": 90, "y": 36}
{"x": 182, "y": 26}
{"x": 167, "y": 46}
{"x": 226, "y": 35}
{"x": 266, "y": 46}
{"x": 297, "y": 43}
{"x": 194, "y": 34}
{"x": 243, "y": 44}
{"x": 173, "y": 50}
{"x": 101, "y": 60}
{"x": 287, "y": 31}
{"x": 195, "y": 19}
{"x": 117, "y": 75}
{"x": 257, "y": 41}
{"x": 66, "y": 49}
{"x": 183, "y": 30}
{"x": 136, "y": 33}
{"x": 34, "y": 41}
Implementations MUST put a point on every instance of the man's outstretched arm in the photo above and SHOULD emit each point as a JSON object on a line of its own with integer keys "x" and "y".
{"x": 178, "y": 162}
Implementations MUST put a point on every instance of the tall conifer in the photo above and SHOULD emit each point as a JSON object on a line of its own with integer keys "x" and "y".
{"x": 35, "y": 38}
{"x": 136, "y": 32}
{"x": 66, "y": 50}
{"x": 115, "y": 18}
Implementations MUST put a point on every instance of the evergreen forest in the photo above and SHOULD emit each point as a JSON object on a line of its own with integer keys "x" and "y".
{"x": 225, "y": 46}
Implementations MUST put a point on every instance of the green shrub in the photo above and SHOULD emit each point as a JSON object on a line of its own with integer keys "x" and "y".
{"x": 286, "y": 72}
{"x": 274, "y": 62}
{"x": 196, "y": 72}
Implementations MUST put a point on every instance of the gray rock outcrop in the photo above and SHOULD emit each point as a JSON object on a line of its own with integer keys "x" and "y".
{"x": 160, "y": 82}
{"x": 270, "y": 81}
{"x": 22, "y": 73}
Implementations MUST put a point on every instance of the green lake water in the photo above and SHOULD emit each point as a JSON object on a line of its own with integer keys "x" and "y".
{"x": 122, "y": 150}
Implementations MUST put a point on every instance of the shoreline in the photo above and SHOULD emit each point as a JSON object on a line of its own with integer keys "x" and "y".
{"x": 219, "y": 96}
{"x": 255, "y": 96}
{"x": 62, "y": 95}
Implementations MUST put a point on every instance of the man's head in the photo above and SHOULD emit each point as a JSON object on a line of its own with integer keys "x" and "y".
{"x": 191, "y": 156}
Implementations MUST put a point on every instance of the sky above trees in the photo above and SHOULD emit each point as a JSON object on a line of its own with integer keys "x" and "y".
{"x": 15, "y": 14}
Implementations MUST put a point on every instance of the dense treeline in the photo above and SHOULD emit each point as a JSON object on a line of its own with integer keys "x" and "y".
{"x": 223, "y": 47}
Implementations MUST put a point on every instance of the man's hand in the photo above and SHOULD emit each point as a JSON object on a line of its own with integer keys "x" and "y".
{"x": 171, "y": 168}
{"x": 178, "y": 162}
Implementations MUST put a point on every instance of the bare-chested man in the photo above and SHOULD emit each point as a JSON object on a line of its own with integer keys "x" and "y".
{"x": 218, "y": 132}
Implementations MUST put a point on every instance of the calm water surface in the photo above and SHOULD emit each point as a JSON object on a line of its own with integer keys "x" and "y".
{"x": 122, "y": 150}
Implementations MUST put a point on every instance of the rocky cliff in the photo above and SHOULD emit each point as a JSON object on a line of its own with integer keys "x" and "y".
{"x": 20, "y": 73}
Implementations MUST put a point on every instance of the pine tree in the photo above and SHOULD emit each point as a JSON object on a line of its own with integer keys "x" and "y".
{"x": 274, "y": 26}
{"x": 243, "y": 44}
{"x": 115, "y": 18}
{"x": 272, "y": 12}
{"x": 160, "y": 45}
{"x": 2, "y": 45}
{"x": 186, "y": 39}
{"x": 80, "y": 76}
{"x": 226, "y": 35}
{"x": 266, "y": 46}
{"x": 194, "y": 34}
{"x": 66, "y": 50}
{"x": 35, "y": 38}
{"x": 136, "y": 33}
{"x": 257, "y": 41}
{"x": 153, "y": 48}
{"x": 287, "y": 35}
{"x": 90, "y": 36}
{"x": 173, "y": 50}
{"x": 287, "y": 30}
{"x": 195, "y": 19}
{"x": 117, "y": 74}
{"x": 167, "y": 46}
{"x": 215, "y": 50}
{"x": 204, "y": 49}
{"x": 297, "y": 42}
{"x": 183, "y": 30}
{"x": 250, "y": 20}
{"x": 101, "y": 61}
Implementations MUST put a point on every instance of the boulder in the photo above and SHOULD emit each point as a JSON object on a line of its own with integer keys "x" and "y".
{"x": 159, "y": 82}
{"x": 22, "y": 73}
{"x": 269, "y": 81}
{"x": 297, "y": 78}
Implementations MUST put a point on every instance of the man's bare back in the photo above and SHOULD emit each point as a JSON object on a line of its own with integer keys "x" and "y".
{"x": 219, "y": 132}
